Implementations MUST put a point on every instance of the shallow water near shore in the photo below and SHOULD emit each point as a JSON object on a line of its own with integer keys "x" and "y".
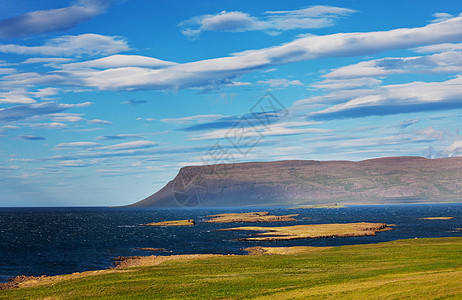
{"x": 51, "y": 241}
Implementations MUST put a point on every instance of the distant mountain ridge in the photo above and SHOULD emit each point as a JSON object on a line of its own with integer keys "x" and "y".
{"x": 374, "y": 181}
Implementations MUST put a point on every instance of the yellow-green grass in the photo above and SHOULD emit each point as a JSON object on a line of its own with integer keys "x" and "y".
{"x": 172, "y": 223}
{"x": 411, "y": 269}
{"x": 258, "y": 250}
{"x": 250, "y": 217}
{"x": 403, "y": 269}
{"x": 312, "y": 231}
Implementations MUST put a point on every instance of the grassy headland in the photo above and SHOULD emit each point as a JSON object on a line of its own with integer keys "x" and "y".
{"x": 411, "y": 269}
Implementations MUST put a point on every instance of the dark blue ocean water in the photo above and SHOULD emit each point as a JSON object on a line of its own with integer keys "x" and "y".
{"x": 50, "y": 241}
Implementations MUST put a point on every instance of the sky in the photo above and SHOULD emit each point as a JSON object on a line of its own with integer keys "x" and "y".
{"x": 101, "y": 102}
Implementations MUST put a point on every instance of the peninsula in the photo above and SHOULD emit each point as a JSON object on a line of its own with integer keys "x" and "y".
{"x": 385, "y": 180}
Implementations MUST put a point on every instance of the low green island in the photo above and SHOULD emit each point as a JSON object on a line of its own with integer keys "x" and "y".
{"x": 402, "y": 269}
{"x": 330, "y": 206}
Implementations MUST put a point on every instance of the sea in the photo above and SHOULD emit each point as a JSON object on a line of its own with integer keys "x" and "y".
{"x": 51, "y": 241}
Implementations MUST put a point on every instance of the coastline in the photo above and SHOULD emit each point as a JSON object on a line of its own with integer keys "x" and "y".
{"x": 120, "y": 266}
{"x": 126, "y": 225}
{"x": 297, "y": 263}
{"x": 288, "y": 233}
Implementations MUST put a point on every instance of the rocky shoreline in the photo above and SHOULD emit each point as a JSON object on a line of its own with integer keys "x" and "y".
{"x": 121, "y": 265}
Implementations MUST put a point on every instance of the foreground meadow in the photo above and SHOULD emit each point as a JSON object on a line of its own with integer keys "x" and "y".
{"x": 416, "y": 269}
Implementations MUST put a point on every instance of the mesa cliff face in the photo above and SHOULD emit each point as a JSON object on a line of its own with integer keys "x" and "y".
{"x": 374, "y": 181}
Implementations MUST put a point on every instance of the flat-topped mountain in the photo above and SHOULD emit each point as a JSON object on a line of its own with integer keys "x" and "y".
{"x": 374, "y": 181}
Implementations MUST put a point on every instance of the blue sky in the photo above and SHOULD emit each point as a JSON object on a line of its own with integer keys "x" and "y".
{"x": 101, "y": 102}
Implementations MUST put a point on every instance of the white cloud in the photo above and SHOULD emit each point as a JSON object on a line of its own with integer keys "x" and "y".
{"x": 431, "y": 133}
{"x": 76, "y": 163}
{"x": 444, "y": 47}
{"x": 391, "y": 99}
{"x": 8, "y": 168}
{"x": 43, "y": 21}
{"x": 20, "y": 80}
{"x": 146, "y": 119}
{"x": 439, "y": 17}
{"x": 16, "y": 96}
{"x": 52, "y": 125}
{"x": 280, "y": 82}
{"x": 120, "y": 61}
{"x": 52, "y": 60}
{"x": 68, "y": 117}
{"x": 70, "y": 45}
{"x": 5, "y": 71}
{"x": 99, "y": 122}
{"x": 219, "y": 71}
{"x": 269, "y": 70}
{"x": 74, "y": 145}
{"x": 129, "y": 145}
{"x": 274, "y": 21}
{"x": 447, "y": 62}
{"x": 74, "y": 118}
{"x": 87, "y": 154}
{"x": 346, "y": 84}
{"x": 35, "y": 110}
{"x": 10, "y": 127}
{"x": 45, "y": 92}
{"x": 276, "y": 129}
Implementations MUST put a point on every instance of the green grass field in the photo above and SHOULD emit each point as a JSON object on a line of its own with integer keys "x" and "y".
{"x": 404, "y": 269}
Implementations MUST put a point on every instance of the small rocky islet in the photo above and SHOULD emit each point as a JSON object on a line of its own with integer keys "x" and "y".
{"x": 285, "y": 232}
{"x": 188, "y": 222}
{"x": 250, "y": 217}
{"x": 312, "y": 231}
